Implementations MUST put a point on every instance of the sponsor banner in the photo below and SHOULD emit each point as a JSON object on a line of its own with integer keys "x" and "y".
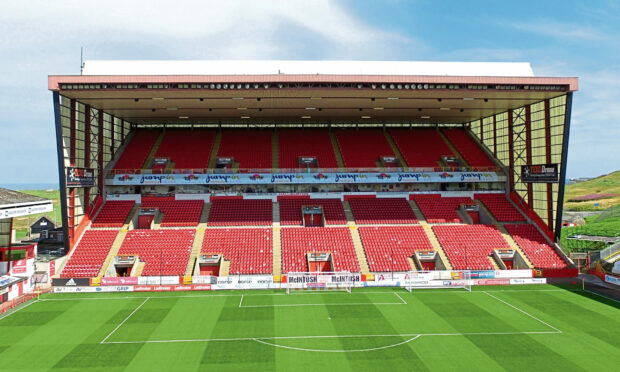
{"x": 545, "y": 173}
{"x": 512, "y": 274}
{"x": 172, "y": 288}
{"x": 204, "y": 279}
{"x": 483, "y": 274}
{"x": 19, "y": 267}
{"x": 6, "y": 280}
{"x": 93, "y": 289}
{"x": 491, "y": 281}
{"x": 80, "y": 177}
{"x": 244, "y": 282}
{"x": 52, "y": 268}
{"x": 306, "y": 280}
{"x": 159, "y": 280}
{"x": 26, "y": 211}
{"x": 612, "y": 279}
{"x": 300, "y": 178}
{"x": 119, "y": 281}
{"x": 71, "y": 282}
{"x": 528, "y": 281}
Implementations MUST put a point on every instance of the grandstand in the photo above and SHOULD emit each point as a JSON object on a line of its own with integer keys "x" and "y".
{"x": 248, "y": 171}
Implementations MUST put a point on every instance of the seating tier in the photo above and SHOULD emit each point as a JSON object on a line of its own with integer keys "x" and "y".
{"x": 250, "y": 251}
{"x": 389, "y": 247}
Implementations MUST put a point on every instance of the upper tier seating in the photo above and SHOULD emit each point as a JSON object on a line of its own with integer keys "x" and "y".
{"x": 89, "y": 254}
{"x": 166, "y": 252}
{"x": 363, "y": 148}
{"x": 421, "y": 148}
{"x": 500, "y": 207}
{"x": 470, "y": 246}
{"x": 187, "y": 149}
{"x": 373, "y": 211}
{"x": 176, "y": 212}
{"x": 290, "y": 211}
{"x": 388, "y": 247}
{"x": 440, "y": 210}
{"x": 294, "y": 144}
{"x": 250, "y": 251}
{"x": 250, "y": 148}
{"x": 297, "y": 242}
{"x": 536, "y": 247}
{"x": 137, "y": 150}
{"x": 465, "y": 145}
{"x": 240, "y": 212}
{"x": 113, "y": 214}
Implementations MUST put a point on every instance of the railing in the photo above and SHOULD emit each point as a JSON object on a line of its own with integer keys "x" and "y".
{"x": 114, "y": 172}
{"x": 23, "y": 298}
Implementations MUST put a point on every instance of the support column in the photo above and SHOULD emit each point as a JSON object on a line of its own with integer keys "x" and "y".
{"x": 495, "y": 135}
{"x": 511, "y": 154}
{"x": 62, "y": 178}
{"x": 87, "y": 155}
{"x": 548, "y": 161}
{"x": 100, "y": 152}
{"x": 528, "y": 153}
{"x": 560, "y": 201}
{"x": 72, "y": 142}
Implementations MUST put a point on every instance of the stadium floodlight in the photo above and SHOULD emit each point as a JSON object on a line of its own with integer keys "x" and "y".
{"x": 183, "y": 117}
{"x": 239, "y": 86}
{"x": 383, "y": 86}
{"x": 225, "y": 86}
{"x": 256, "y": 86}
{"x": 425, "y": 117}
{"x": 374, "y": 86}
{"x": 266, "y": 86}
{"x": 218, "y": 86}
{"x": 425, "y": 86}
{"x": 444, "y": 108}
{"x": 306, "y": 117}
{"x": 406, "y": 86}
{"x": 280, "y": 85}
{"x": 359, "y": 86}
{"x": 365, "y": 117}
{"x": 420, "y": 86}
{"x": 245, "y": 117}
{"x": 399, "y": 86}
{"x": 391, "y": 86}
{"x": 412, "y": 86}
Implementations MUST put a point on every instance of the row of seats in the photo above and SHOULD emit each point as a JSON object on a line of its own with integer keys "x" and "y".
{"x": 421, "y": 148}
{"x": 89, "y": 254}
{"x": 240, "y": 212}
{"x": 177, "y": 213}
{"x": 291, "y": 211}
{"x": 298, "y": 242}
{"x": 376, "y": 211}
{"x": 250, "y": 251}
{"x": 113, "y": 214}
{"x": 538, "y": 250}
{"x": 187, "y": 149}
{"x": 389, "y": 247}
{"x": 465, "y": 145}
{"x": 470, "y": 246}
{"x": 250, "y": 148}
{"x": 165, "y": 252}
{"x": 440, "y": 210}
{"x": 294, "y": 144}
{"x": 137, "y": 150}
{"x": 500, "y": 207}
{"x": 363, "y": 148}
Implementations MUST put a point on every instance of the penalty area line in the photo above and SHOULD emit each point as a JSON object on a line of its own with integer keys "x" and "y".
{"x": 524, "y": 312}
{"x": 123, "y": 322}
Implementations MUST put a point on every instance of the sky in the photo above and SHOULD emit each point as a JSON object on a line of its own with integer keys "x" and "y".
{"x": 560, "y": 38}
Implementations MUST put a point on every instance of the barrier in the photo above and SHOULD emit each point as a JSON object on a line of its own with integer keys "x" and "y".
{"x": 612, "y": 280}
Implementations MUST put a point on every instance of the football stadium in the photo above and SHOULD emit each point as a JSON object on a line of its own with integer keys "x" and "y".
{"x": 339, "y": 215}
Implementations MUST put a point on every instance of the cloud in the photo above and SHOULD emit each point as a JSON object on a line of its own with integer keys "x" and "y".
{"x": 558, "y": 30}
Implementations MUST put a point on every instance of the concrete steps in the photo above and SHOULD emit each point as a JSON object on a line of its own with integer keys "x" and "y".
{"x": 395, "y": 149}
{"x": 359, "y": 249}
{"x": 454, "y": 150}
{"x": 275, "y": 213}
{"x": 139, "y": 268}
{"x": 416, "y": 210}
{"x": 151, "y": 156}
{"x": 430, "y": 234}
{"x": 196, "y": 248}
{"x": 337, "y": 153}
{"x": 225, "y": 267}
{"x": 116, "y": 246}
{"x": 275, "y": 152}
{"x": 348, "y": 212}
{"x": 495, "y": 265}
{"x": 412, "y": 264}
{"x": 215, "y": 149}
{"x": 204, "y": 215}
{"x": 513, "y": 244}
{"x": 277, "y": 251}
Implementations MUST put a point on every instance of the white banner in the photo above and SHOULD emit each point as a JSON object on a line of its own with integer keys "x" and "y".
{"x": 157, "y": 280}
{"x": 612, "y": 279}
{"x": 528, "y": 281}
{"x": 93, "y": 289}
{"x": 510, "y": 274}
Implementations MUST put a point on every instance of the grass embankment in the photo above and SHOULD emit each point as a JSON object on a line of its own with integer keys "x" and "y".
{"x": 607, "y": 184}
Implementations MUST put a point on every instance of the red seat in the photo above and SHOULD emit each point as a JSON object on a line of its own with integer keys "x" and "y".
{"x": 373, "y": 211}
{"x": 250, "y": 251}
{"x": 536, "y": 247}
{"x": 89, "y": 254}
{"x": 388, "y": 247}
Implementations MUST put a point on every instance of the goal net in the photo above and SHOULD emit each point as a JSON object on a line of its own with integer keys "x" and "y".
{"x": 438, "y": 279}
{"x": 321, "y": 281}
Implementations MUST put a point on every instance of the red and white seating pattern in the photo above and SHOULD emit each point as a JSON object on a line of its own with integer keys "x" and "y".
{"x": 290, "y": 211}
{"x": 388, "y": 247}
{"x": 536, "y": 247}
{"x": 440, "y": 210}
{"x": 250, "y": 251}
{"x": 297, "y": 242}
{"x": 377, "y": 211}
{"x": 500, "y": 207}
{"x": 176, "y": 212}
{"x": 250, "y": 148}
{"x": 113, "y": 214}
{"x": 137, "y": 150}
{"x": 165, "y": 252}
{"x": 465, "y": 145}
{"x": 470, "y": 246}
{"x": 421, "y": 148}
{"x": 89, "y": 254}
{"x": 240, "y": 212}
{"x": 294, "y": 144}
{"x": 186, "y": 148}
{"x": 363, "y": 148}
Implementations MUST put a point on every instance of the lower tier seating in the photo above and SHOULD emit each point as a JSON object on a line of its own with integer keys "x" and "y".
{"x": 240, "y": 212}
{"x": 297, "y": 242}
{"x": 166, "y": 252}
{"x": 176, "y": 212}
{"x": 290, "y": 211}
{"x": 113, "y": 214}
{"x": 250, "y": 251}
{"x": 440, "y": 210}
{"x": 538, "y": 250}
{"x": 470, "y": 246}
{"x": 89, "y": 254}
{"x": 500, "y": 207}
{"x": 373, "y": 211}
{"x": 389, "y": 247}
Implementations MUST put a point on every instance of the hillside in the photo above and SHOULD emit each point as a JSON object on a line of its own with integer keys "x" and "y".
{"x": 608, "y": 184}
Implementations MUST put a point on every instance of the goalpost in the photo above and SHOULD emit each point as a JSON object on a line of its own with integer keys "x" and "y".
{"x": 438, "y": 279}
{"x": 321, "y": 281}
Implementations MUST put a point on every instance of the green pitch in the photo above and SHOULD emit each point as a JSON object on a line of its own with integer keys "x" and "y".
{"x": 492, "y": 328}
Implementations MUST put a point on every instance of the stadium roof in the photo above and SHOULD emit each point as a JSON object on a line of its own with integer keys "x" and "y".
{"x": 15, "y": 203}
{"x": 293, "y": 92}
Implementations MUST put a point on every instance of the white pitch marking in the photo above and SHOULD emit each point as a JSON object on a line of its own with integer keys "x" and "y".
{"x": 241, "y": 301}
{"x": 337, "y": 351}
{"x": 524, "y": 312}
{"x": 336, "y": 304}
{"x": 123, "y": 322}
{"x": 19, "y": 309}
{"x": 397, "y": 295}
